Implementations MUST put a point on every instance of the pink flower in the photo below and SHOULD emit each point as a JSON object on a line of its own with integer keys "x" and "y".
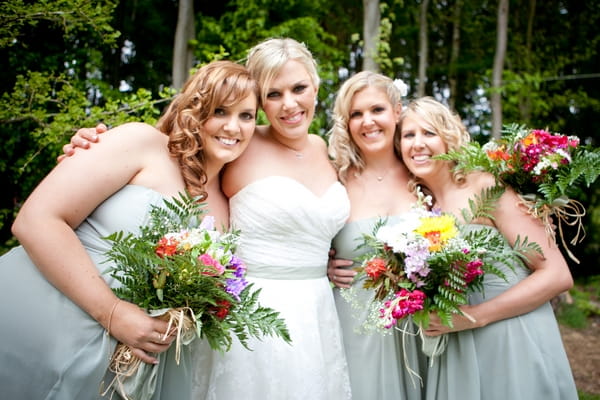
{"x": 208, "y": 261}
{"x": 473, "y": 270}
{"x": 405, "y": 303}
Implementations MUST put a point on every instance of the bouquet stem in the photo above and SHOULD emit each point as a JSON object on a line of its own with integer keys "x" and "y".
{"x": 433, "y": 346}
{"x": 131, "y": 375}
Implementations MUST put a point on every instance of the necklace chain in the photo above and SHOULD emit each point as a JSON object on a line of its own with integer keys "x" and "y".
{"x": 379, "y": 178}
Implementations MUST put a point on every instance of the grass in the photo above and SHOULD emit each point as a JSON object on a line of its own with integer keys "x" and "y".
{"x": 587, "y": 396}
{"x": 585, "y": 303}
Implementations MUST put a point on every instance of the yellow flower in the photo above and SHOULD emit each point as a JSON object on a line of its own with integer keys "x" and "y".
{"x": 437, "y": 230}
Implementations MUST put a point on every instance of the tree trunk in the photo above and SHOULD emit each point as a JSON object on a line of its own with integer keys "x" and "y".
{"x": 525, "y": 101}
{"x": 371, "y": 21}
{"x": 453, "y": 74}
{"x": 423, "y": 48}
{"x": 183, "y": 56}
{"x": 496, "y": 96}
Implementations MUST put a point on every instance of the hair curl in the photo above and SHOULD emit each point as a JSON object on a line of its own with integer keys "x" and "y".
{"x": 342, "y": 148}
{"x": 217, "y": 84}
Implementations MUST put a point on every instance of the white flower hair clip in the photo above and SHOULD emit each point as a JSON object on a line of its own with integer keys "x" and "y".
{"x": 401, "y": 86}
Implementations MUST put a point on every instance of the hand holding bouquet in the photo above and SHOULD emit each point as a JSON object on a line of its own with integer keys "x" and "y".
{"x": 186, "y": 272}
{"x": 544, "y": 168}
{"x": 428, "y": 262}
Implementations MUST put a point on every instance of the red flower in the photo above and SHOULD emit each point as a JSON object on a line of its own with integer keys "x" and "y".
{"x": 222, "y": 309}
{"x": 375, "y": 267}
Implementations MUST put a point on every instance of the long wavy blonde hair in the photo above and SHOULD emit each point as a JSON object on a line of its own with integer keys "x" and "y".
{"x": 445, "y": 123}
{"x": 343, "y": 150}
{"x": 217, "y": 84}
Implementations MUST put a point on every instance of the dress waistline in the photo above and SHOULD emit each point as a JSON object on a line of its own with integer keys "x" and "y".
{"x": 286, "y": 273}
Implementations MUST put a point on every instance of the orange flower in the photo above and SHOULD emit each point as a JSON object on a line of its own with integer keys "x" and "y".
{"x": 375, "y": 267}
{"x": 499, "y": 154}
{"x": 435, "y": 240}
{"x": 530, "y": 139}
{"x": 166, "y": 247}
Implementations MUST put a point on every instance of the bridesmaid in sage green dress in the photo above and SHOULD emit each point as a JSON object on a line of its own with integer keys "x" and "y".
{"x": 511, "y": 348}
{"x": 60, "y": 318}
{"x": 364, "y": 144}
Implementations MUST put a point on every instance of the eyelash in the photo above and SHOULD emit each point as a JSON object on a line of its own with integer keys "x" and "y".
{"x": 295, "y": 89}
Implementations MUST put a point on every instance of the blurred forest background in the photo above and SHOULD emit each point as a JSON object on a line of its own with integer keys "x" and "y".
{"x": 73, "y": 63}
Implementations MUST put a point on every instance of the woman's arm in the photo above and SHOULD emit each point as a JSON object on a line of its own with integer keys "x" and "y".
{"x": 338, "y": 272}
{"x": 550, "y": 274}
{"x": 45, "y": 227}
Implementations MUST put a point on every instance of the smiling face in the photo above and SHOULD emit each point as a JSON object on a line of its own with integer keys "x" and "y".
{"x": 372, "y": 120}
{"x": 227, "y": 132}
{"x": 419, "y": 142}
{"x": 290, "y": 101}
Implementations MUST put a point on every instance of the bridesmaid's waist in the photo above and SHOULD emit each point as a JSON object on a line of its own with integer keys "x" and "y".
{"x": 286, "y": 273}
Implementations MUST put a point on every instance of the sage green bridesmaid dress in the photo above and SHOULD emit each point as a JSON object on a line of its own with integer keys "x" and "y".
{"x": 383, "y": 367}
{"x": 519, "y": 358}
{"x": 50, "y": 348}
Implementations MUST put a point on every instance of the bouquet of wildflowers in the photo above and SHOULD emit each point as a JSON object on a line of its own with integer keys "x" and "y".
{"x": 427, "y": 262}
{"x": 544, "y": 168}
{"x": 180, "y": 268}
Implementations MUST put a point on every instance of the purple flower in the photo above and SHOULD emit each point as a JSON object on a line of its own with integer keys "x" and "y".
{"x": 235, "y": 286}
{"x": 415, "y": 262}
{"x": 238, "y": 266}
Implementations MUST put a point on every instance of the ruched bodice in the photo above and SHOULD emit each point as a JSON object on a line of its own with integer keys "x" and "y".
{"x": 126, "y": 210}
{"x": 286, "y": 226}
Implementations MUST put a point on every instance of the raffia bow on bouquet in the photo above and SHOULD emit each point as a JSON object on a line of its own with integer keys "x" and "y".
{"x": 428, "y": 263}
{"x": 546, "y": 169}
{"x": 181, "y": 269}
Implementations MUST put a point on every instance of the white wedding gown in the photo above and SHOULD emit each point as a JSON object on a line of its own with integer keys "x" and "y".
{"x": 286, "y": 233}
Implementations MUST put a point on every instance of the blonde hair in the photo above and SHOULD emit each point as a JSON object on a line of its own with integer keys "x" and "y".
{"x": 445, "y": 123}
{"x": 266, "y": 59}
{"x": 217, "y": 84}
{"x": 342, "y": 148}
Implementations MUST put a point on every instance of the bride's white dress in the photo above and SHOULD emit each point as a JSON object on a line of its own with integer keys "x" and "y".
{"x": 286, "y": 233}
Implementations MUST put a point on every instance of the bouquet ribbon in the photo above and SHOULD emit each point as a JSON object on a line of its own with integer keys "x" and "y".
{"x": 567, "y": 211}
{"x": 137, "y": 380}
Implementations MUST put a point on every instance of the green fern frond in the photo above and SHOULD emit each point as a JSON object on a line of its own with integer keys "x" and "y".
{"x": 484, "y": 204}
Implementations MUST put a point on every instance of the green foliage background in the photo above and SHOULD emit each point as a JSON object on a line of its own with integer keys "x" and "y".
{"x": 72, "y": 63}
